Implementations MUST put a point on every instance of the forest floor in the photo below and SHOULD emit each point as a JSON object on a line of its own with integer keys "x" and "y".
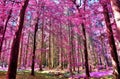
{"x": 107, "y": 74}
{"x": 57, "y": 74}
{"x": 26, "y": 75}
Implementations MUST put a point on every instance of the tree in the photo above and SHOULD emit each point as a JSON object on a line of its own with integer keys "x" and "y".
{"x": 5, "y": 27}
{"x": 85, "y": 51}
{"x": 111, "y": 40}
{"x": 34, "y": 46}
{"x": 115, "y": 4}
{"x": 11, "y": 74}
{"x": 84, "y": 39}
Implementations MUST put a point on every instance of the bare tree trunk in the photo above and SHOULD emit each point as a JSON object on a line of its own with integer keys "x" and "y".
{"x": 11, "y": 74}
{"x": 84, "y": 39}
{"x": 70, "y": 52}
{"x": 6, "y": 22}
{"x": 34, "y": 48}
{"x": 111, "y": 40}
{"x": 116, "y": 11}
{"x": 42, "y": 42}
{"x": 49, "y": 55}
{"x": 78, "y": 52}
{"x": 27, "y": 48}
{"x": 60, "y": 49}
{"x": 85, "y": 51}
{"x": 72, "y": 48}
{"x": 52, "y": 51}
{"x": 42, "y": 49}
{"x": 21, "y": 49}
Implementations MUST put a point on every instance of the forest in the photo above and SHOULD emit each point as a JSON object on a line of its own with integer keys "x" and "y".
{"x": 59, "y": 39}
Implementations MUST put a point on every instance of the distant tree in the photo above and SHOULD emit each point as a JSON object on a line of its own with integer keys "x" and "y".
{"x": 4, "y": 30}
{"x": 34, "y": 47}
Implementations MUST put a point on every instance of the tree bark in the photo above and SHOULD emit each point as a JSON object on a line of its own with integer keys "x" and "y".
{"x": 60, "y": 48}
{"x": 6, "y": 22}
{"x": 21, "y": 52}
{"x": 11, "y": 74}
{"x": 27, "y": 48}
{"x": 116, "y": 11}
{"x": 111, "y": 40}
{"x": 85, "y": 51}
{"x": 70, "y": 52}
{"x": 42, "y": 54}
{"x": 52, "y": 51}
{"x": 34, "y": 48}
{"x": 49, "y": 52}
{"x": 42, "y": 49}
{"x": 84, "y": 39}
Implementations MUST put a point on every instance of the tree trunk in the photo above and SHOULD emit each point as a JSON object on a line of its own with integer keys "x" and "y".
{"x": 42, "y": 53}
{"x": 111, "y": 40}
{"x": 116, "y": 11}
{"x": 70, "y": 52}
{"x": 27, "y": 48}
{"x": 60, "y": 49}
{"x": 42, "y": 49}
{"x": 21, "y": 51}
{"x": 78, "y": 53}
{"x": 34, "y": 48}
{"x": 72, "y": 48}
{"x": 11, "y": 74}
{"x": 6, "y": 22}
{"x": 84, "y": 39}
{"x": 49, "y": 52}
{"x": 85, "y": 51}
{"x": 52, "y": 51}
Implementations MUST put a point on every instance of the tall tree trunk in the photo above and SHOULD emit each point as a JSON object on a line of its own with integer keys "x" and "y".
{"x": 42, "y": 49}
{"x": 11, "y": 74}
{"x": 21, "y": 49}
{"x": 85, "y": 44}
{"x": 116, "y": 11}
{"x": 84, "y": 38}
{"x": 42, "y": 54}
{"x": 34, "y": 48}
{"x": 72, "y": 48}
{"x": 5, "y": 27}
{"x": 70, "y": 52}
{"x": 60, "y": 49}
{"x": 52, "y": 51}
{"x": 78, "y": 54}
{"x": 111, "y": 40}
{"x": 49, "y": 55}
{"x": 85, "y": 51}
{"x": 27, "y": 48}
{"x": 82, "y": 58}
